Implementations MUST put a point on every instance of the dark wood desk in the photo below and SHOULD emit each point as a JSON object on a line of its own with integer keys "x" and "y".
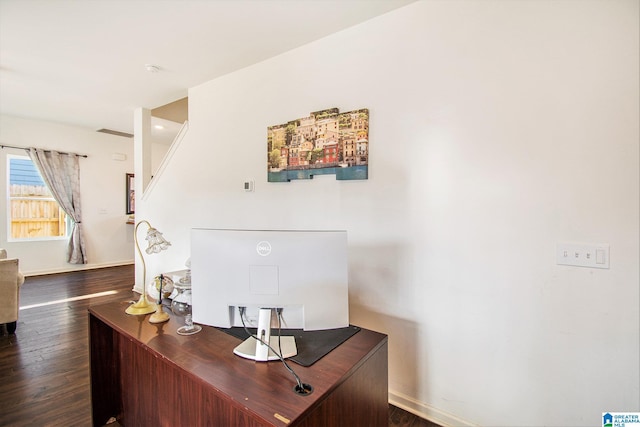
{"x": 144, "y": 375}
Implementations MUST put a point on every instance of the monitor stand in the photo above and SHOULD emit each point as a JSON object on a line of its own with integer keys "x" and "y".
{"x": 253, "y": 349}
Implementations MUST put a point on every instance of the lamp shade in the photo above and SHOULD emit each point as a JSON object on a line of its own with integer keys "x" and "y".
{"x": 156, "y": 243}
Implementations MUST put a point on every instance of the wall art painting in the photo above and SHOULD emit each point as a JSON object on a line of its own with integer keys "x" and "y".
{"x": 325, "y": 142}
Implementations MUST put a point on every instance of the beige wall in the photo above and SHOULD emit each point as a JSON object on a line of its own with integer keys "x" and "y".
{"x": 102, "y": 183}
{"x": 497, "y": 129}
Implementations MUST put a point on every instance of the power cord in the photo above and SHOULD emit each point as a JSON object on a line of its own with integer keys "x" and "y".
{"x": 300, "y": 388}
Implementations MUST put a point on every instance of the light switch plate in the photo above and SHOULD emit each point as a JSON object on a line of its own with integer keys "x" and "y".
{"x": 592, "y": 255}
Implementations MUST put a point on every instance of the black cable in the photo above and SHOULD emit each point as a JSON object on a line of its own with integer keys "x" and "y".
{"x": 286, "y": 365}
{"x": 279, "y": 312}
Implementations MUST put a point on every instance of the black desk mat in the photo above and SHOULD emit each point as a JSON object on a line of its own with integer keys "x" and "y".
{"x": 312, "y": 345}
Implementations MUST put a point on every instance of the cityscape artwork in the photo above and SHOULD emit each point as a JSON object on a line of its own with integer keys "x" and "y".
{"x": 325, "y": 142}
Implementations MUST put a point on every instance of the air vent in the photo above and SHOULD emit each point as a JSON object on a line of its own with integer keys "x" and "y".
{"x": 115, "y": 132}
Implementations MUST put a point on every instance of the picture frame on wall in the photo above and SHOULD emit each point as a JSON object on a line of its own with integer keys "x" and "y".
{"x": 130, "y": 194}
{"x": 325, "y": 142}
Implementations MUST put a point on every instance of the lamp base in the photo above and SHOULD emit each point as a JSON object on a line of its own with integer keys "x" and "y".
{"x": 141, "y": 307}
{"x": 159, "y": 316}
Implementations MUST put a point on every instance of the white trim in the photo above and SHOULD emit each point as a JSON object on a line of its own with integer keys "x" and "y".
{"x": 427, "y": 412}
{"x": 166, "y": 160}
{"x": 35, "y": 239}
{"x": 79, "y": 268}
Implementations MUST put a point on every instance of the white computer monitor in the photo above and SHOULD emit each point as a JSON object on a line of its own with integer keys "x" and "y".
{"x": 302, "y": 273}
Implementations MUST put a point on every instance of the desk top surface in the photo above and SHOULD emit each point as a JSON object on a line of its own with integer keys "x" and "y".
{"x": 264, "y": 388}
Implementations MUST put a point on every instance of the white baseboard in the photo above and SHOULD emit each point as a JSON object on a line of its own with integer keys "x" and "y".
{"x": 79, "y": 267}
{"x": 427, "y": 412}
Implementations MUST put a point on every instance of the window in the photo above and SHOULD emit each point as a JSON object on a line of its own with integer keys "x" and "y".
{"x": 33, "y": 212}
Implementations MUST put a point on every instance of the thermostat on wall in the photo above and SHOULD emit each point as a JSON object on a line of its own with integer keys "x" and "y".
{"x": 248, "y": 185}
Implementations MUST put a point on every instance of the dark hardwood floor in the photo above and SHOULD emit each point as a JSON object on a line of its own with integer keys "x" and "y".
{"x": 44, "y": 367}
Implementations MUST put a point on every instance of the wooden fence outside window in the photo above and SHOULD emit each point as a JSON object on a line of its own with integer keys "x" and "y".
{"x": 34, "y": 213}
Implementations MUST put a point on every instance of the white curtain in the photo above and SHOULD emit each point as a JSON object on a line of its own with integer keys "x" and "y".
{"x": 61, "y": 172}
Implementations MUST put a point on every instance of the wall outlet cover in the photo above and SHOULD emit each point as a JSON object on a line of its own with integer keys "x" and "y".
{"x": 591, "y": 255}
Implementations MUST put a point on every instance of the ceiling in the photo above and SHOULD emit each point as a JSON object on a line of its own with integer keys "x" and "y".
{"x": 83, "y": 62}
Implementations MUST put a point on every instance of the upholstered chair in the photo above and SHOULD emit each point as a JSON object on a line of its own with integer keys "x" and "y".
{"x": 10, "y": 281}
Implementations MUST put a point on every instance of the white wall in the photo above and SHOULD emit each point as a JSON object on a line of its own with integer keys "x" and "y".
{"x": 102, "y": 185}
{"x": 158, "y": 151}
{"x": 497, "y": 129}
